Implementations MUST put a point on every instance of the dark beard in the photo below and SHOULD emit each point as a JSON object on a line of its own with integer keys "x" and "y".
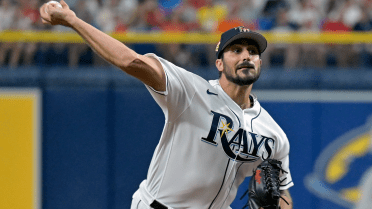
{"x": 241, "y": 81}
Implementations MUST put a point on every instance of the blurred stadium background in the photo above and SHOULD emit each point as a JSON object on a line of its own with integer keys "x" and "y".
{"x": 75, "y": 132}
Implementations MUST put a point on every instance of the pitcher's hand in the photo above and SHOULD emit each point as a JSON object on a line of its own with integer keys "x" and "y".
{"x": 52, "y": 14}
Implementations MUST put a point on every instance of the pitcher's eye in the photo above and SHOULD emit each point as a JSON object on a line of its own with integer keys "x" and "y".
{"x": 236, "y": 50}
{"x": 253, "y": 51}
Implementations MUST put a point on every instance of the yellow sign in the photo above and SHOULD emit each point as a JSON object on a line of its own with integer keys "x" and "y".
{"x": 20, "y": 164}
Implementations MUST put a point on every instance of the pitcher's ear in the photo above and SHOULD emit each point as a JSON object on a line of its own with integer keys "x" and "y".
{"x": 219, "y": 64}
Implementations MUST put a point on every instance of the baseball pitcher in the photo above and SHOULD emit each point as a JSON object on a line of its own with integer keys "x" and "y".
{"x": 216, "y": 133}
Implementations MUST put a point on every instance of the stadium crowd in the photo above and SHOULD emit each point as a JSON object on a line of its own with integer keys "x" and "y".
{"x": 116, "y": 16}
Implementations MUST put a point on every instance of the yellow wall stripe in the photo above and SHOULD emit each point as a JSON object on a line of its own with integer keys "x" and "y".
{"x": 187, "y": 38}
{"x": 20, "y": 149}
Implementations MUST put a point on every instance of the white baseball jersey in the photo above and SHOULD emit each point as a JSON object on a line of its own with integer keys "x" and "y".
{"x": 209, "y": 144}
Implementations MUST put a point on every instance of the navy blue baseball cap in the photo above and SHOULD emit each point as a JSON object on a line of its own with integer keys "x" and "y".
{"x": 240, "y": 33}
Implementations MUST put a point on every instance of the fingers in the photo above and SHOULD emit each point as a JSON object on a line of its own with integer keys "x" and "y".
{"x": 52, "y": 13}
{"x": 46, "y": 10}
{"x": 44, "y": 14}
{"x": 51, "y": 7}
{"x": 64, "y": 5}
{"x": 45, "y": 21}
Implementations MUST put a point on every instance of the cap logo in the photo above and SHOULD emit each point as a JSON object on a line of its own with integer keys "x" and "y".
{"x": 242, "y": 29}
{"x": 218, "y": 46}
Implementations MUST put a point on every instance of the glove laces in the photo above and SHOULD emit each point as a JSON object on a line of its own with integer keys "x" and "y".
{"x": 272, "y": 181}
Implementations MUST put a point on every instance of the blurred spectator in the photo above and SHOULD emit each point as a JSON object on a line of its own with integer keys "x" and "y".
{"x": 7, "y": 18}
{"x": 80, "y": 53}
{"x": 111, "y": 15}
{"x": 175, "y": 52}
{"x": 249, "y": 11}
{"x": 307, "y": 18}
{"x": 7, "y": 14}
{"x": 198, "y": 3}
{"x": 365, "y": 21}
{"x": 364, "y": 25}
{"x": 121, "y": 25}
{"x": 125, "y": 12}
{"x": 281, "y": 54}
{"x": 304, "y": 12}
{"x": 138, "y": 22}
{"x": 182, "y": 19}
{"x": 128, "y": 6}
{"x": 211, "y": 14}
{"x": 93, "y": 6}
{"x": 269, "y": 13}
{"x": 367, "y": 4}
{"x": 168, "y": 6}
{"x": 188, "y": 13}
{"x": 232, "y": 18}
{"x": 351, "y": 12}
{"x": 105, "y": 16}
{"x": 27, "y": 18}
{"x": 148, "y": 16}
{"x": 174, "y": 23}
{"x": 334, "y": 23}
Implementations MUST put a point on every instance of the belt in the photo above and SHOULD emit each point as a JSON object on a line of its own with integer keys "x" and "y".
{"x": 157, "y": 205}
{"x": 148, "y": 199}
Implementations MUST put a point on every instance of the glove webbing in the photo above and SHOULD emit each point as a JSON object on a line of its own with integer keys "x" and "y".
{"x": 270, "y": 183}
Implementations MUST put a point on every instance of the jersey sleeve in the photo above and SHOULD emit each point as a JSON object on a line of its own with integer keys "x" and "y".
{"x": 283, "y": 156}
{"x": 180, "y": 89}
{"x": 285, "y": 178}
